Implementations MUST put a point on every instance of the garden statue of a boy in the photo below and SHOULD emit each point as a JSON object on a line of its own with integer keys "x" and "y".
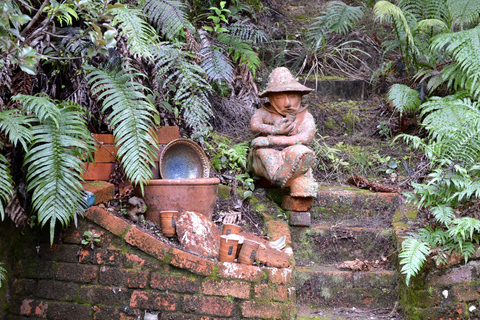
{"x": 284, "y": 127}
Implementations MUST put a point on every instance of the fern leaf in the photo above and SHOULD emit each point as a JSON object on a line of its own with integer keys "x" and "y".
{"x": 247, "y": 31}
{"x": 139, "y": 33}
{"x": 443, "y": 214}
{"x": 217, "y": 66}
{"x": 55, "y": 165}
{"x": 169, "y": 16}
{"x": 464, "y": 228}
{"x": 43, "y": 107}
{"x": 131, "y": 117}
{"x": 6, "y": 185}
{"x": 413, "y": 255}
{"x": 16, "y": 127}
{"x": 403, "y": 98}
{"x": 464, "y": 12}
{"x": 242, "y": 52}
{"x": 3, "y": 275}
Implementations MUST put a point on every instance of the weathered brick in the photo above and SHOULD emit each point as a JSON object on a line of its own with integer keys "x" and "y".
{"x": 227, "y": 270}
{"x": 454, "y": 275}
{"x": 103, "y": 138}
{"x": 279, "y": 275}
{"x": 127, "y": 278}
{"x": 72, "y": 235}
{"x": 106, "y": 295}
{"x": 107, "y": 220}
{"x": 208, "y": 305}
{"x": 77, "y": 273}
{"x": 68, "y": 311}
{"x": 192, "y": 263}
{"x": 466, "y": 292}
{"x": 37, "y": 308}
{"x": 105, "y": 313}
{"x": 66, "y": 252}
{"x": 105, "y": 153}
{"x": 174, "y": 283}
{"x": 276, "y": 229}
{"x": 296, "y": 203}
{"x": 24, "y": 287}
{"x": 154, "y": 301}
{"x": 254, "y": 309}
{"x": 147, "y": 243}
{"x": 133, "y": 261}
{"x": 98, "y": 171}
{"x": 271, "y": 292}
{"x": 182, "y": 316}
{"x": 230, "y": 288}
{"x": 57, "y": 290}
{"x": 102, "y": 190}
{"x": 300, "y": 218}
{"x": 167, "y": 134}
{"x": 35, "y": 269}
{"x": 108, "y": 257}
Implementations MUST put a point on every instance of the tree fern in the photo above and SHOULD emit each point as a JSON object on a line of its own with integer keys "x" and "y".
{"x": 463, "y": 12}
{"x": 242, "y": 52}
{"x": 168, "y": 15}
{"x": 187, "y": 81}
{"x": 247, "y": 31}
{"x": 412, "y": 257}
{"x": 131, "y": 116}
{"x": 140, "y": 35}
{"x": 6, "y": 185}
{"x": 16, "y": 127}
{"x": 403, "y": 98}
{"x": 54, "y": 161}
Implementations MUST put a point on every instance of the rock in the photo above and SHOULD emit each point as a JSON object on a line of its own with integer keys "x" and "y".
{"x": 198, "y": 233}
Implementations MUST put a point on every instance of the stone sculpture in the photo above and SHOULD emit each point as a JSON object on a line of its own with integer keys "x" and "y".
{"x": 284, "y": 128}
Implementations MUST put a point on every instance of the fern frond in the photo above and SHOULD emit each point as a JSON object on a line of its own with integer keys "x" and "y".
{"x": 43, "y": 107}
{"x": 131, "y": 117}
{"x": 216, "y": 64}
{"x": 464, "y": 47}
{"x": 176, "y": 70}
{"x": 443, "y": 214}
{"x": 242, "y": 52}
{"x": 404, "y": 99}
{"x": 413, "y": 255}
{"x": 338, "y": 17}
{"x": 464, "y": 228}
{"x": 3, "y": 274}
{"x": 6, "y": 185}
{"x": 169, "y": 16}
{"x": 131, "y": 24}
{"x": 247, "y": 31}
{"x": 55, "y": 165}
{"x": 464, "y": 12}
{"x": 432, "y": 26}
{"x": 16, "y": 127}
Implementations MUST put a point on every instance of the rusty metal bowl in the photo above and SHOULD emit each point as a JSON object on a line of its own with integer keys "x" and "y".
{"x": 183, "y": 159}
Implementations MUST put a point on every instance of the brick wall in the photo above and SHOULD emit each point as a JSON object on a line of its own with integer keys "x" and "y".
{"x": 133, "y": 275}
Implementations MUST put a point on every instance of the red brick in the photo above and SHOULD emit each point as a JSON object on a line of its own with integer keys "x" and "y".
{"x": 230, "y": 288}
{"x": 57, "y": 290}
{"x": 72, "y": 235}
{"x": 227, "y": 270}
{"x": 208, "y": 305}
{"x": 103, "y": 137}
{"x": 77, "y": 273}
{"x": 107, "y": 220}
{"x": 279, "y": 275}
{"x": 466, "y": 292}
{"x": 174, "y": 283}
{"x": 167, "y": 134}
{"x": 192, "y": 263}
{"x": 106, "y": 295}
{"x": 271, "y": 292}
{"x": 273, "y": 310}
{"x": 108, "y": 257}
{"x": 102, "y": 190}
{"x": 296, "y": 203}
{"x": 34, "y": 308}
{"x": 98, "y": 171}
{"x": 68, "y": 311}
{"x": 153, "y": 301}
{"x": 105, "y": 153}
{"x": 127, "y": 278}
{"x": 147, "y": 243}
{"x": 133, "y": 261}
{"x": 277, "y": 229}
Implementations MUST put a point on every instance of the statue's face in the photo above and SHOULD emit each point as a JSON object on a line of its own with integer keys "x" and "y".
{"x": 285, "y": 102}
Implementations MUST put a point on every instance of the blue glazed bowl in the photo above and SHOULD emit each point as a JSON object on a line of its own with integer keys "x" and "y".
{"x": 183, "y": 159}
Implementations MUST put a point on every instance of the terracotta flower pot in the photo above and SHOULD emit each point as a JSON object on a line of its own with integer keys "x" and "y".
{"x": 228, "y": 248}
{"x": 248, "y": 252}
{"x": 167, "y": 222}
{"x": 229, "y": 229}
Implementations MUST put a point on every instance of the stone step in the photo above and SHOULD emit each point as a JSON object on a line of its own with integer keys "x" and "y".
{"x": 328, "y": 287}
{"x": 324, "y": 244}
{"x": 335, "y": 204}
{"x": 313, "y": 313}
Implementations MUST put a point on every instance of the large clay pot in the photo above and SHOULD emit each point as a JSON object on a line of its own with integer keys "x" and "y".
{"x": 196, "y": 195}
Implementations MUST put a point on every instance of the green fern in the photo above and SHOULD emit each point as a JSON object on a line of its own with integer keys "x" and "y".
{"x": 247, "y": 31}
{"x": 413, "y": 255}
{"x": 6, "y": 185}
{"x": 463, "y": 12}
{"x": 187, "y": 82}
{"x": 131, "y": 24}
{"x": 242, "y": 52}
{"x": 54, "y": 160}
{"x": 216, "y": 64}
{"x": 464, "y": 229}
{"x": 3, "y": 274}
{"x": 403, "y": 98}
{"x": 169, "y": 15}
{"x": 443, "y": 214}
{"x": 131, "y": 116}
{"x": 16, "y": 127}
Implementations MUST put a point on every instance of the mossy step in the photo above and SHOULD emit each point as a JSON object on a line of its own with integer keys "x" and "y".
{"x": 312, "y": 313}
{"x": 327, "y": 286}
{"x": 334, "y": 204}
{"x": 334, "y": 244}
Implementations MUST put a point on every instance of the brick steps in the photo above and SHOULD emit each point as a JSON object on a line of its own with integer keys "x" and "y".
{"x": 326, "y": 287}
{"x": 347, "y": 224}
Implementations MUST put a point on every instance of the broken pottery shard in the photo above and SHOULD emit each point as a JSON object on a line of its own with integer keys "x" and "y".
{"x": 198, "y": 233}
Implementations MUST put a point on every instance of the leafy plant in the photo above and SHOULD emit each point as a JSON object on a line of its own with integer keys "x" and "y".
{"x": 90, "y": 239}
{"x": 220, "y": 15}
{"x": 3, "y": 274}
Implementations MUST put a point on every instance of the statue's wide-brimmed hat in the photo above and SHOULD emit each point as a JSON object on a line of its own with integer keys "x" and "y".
{"x": 281, "y": 80}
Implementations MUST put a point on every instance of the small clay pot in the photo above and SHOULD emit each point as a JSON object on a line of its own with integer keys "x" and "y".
{"x": 229, "y": 229}
{"x": 228, "y": 247}
{"x": 167, "y": 223}
{"x": 248, "y": 252}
